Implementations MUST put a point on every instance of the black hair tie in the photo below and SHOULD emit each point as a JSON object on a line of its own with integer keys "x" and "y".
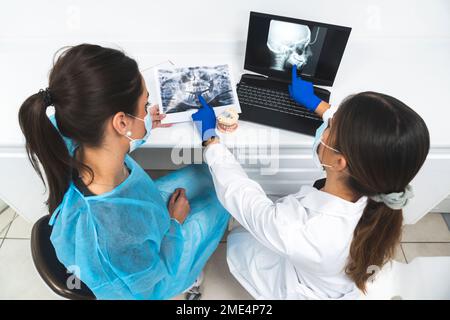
{"x": 47, "y": 97}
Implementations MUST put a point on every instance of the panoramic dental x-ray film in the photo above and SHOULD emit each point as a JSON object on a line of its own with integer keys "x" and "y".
{"x": 178, "y": 89}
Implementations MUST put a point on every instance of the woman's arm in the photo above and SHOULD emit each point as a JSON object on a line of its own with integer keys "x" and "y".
{"x": 246, "y": 201}
{"x": 244, "y": 198}
{"x": 321, "y": 108}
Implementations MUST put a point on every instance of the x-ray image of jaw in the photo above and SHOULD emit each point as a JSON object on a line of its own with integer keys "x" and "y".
{"x": 181, "y": 87}
{"x": 289, "y": 44}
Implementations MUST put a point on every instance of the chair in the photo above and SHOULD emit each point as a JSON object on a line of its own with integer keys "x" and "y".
{"x": 53, "y": 272}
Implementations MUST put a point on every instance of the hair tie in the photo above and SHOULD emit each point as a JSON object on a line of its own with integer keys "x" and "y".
{"x": 395, "y": 200}
{"x": 47, "y": 97}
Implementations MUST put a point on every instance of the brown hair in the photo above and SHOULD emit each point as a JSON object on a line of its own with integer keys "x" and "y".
{"x": 385, "y": 144}
{"x": 88, "y": 84}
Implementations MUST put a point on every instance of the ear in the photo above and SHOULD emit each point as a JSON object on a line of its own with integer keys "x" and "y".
{"x": 340, "y": 163}
{"x": 120, "y": 123}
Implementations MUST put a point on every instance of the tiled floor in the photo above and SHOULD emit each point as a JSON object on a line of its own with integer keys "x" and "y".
{"x": 19, "y": 279}
{"x": 427, "y": 238}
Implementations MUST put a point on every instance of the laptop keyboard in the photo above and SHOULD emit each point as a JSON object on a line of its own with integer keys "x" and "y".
{"x": 273, "y": 100}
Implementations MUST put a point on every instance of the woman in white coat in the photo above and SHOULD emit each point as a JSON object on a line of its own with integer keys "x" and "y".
{"x": 323, "y": 243}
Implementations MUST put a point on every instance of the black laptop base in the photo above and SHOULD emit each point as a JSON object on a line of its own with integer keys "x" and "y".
{"x": 297, "y": 123}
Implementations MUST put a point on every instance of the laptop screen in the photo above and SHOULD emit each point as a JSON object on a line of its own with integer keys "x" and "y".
{"x": 275, "y": 44}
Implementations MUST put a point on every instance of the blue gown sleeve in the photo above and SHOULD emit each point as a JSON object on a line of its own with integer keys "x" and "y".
{"x": 171, "y": 250}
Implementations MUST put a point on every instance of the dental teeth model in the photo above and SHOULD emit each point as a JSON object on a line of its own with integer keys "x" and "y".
{"x": 227, "y": 121}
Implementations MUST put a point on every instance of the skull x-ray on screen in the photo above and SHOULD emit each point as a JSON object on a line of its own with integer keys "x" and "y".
{"x": 294, "y": 44}
{"x": 275, "y": 44}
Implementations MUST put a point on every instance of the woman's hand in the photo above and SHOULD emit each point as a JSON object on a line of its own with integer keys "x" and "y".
{"x": 157, "y": 117}
{"x": 303, "y": 92}
{"x": 179, "y": 205}
{"x": 205, "y": 120}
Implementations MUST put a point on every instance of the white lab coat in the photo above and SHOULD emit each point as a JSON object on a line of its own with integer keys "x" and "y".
{"x": 295, "y": 248}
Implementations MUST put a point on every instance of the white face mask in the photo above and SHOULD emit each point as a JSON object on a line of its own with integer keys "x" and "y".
{"x": 136, "y": 143}
{"x": 318, "y": 140}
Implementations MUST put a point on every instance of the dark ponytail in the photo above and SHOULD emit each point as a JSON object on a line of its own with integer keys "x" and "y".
{"x": 88, "y": 84}
{"x": 374, "y": 241}
{"x": 385, "y": 144}
{"x": 43, "y": 142}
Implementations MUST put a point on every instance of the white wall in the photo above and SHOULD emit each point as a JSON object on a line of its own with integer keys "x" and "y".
{"x": 205, "y": 19}
{"x": 403, "y": 32}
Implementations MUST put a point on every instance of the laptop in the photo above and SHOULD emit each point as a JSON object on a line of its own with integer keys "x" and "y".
{"x": 274, "y": 45}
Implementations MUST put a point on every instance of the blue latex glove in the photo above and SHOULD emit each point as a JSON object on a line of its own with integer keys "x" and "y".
{"x": 303, "y": 92}
{"x": 205, "y": 120}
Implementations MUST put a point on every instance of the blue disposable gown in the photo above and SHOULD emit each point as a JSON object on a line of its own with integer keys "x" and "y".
{"x": 123, "y": 243}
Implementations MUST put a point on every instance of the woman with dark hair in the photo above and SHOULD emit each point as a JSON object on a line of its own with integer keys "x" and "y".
{"x": 127, "y": 236}
{"x": 324, "y": 243}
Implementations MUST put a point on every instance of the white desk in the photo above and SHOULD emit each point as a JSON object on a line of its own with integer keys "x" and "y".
{"x": 414, "y": 69}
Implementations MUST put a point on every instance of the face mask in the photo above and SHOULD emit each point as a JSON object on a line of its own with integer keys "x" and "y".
{"x": 318, "y": 140}
{"x": 136, "y": 143}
